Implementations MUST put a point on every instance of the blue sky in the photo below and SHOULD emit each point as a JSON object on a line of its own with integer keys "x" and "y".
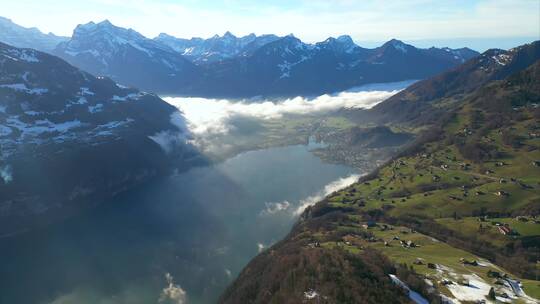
{"x": 485, "y": 23}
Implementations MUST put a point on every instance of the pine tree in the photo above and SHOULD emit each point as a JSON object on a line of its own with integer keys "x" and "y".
{"x": 491, "y": 294}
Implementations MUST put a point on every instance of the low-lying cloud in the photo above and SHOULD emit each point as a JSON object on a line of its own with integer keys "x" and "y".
{"x": 285, "y": 206}
{"x": 328, "y": 189}
{"x": 169, "y": 140}
{"x": 208, "y": 118}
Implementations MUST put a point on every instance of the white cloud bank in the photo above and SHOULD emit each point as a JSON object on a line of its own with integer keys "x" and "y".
{"x": 211, "y": 117}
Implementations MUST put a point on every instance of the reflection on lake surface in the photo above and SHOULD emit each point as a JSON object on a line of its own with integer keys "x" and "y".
{"x": 200, "y": 227}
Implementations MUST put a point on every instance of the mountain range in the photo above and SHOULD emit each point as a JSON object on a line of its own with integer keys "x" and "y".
{"x": 289, "y": 67}
{"x": 76, "y": 139}
{"x": 229, "y": 66}
{"x": 216, "y": 48}
{"x": 244, "y": 67}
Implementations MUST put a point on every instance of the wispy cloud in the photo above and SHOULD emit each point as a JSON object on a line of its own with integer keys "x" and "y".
{"x": 273, "y": 208}
{"x": 6, "y": 174}
{"x": 328, "y": 189}
{"x": 172, "y": 293}
{"x": 169, "y": 140}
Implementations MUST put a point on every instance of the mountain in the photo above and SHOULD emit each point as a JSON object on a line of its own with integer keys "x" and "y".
{"x": 451, "y": 219}
{"x": 70, "y": 140}
{"x": 400, "y": 58}
{"x": 342, "y": 45}
{"x": 127, "y": 57}
{"x": 19, "y": 36}
{"x": 217, "y": 48}
{"x": 229, "y": 66}
{"x": 289, "y": 67}
{"x": 412, "y": 104}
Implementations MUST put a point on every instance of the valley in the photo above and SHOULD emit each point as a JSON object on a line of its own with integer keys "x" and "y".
{"x": 456, "y": 211}
{"x": 226, "y": 127}
{"x": 140, "y": 167}
{"x": 235, "y": 165}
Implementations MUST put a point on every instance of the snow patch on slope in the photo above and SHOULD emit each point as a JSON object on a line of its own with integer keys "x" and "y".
{"x": 413, "y": 295}
{"x": 476, "y": 290}
{"x": 286, "y": 67}
{"x": 41, "y": 126}
{"x": 95, "y": 109}
{"x": 21, "y": 87}
{"x": 20, "y": 55}
{"x": 132, "y": 96}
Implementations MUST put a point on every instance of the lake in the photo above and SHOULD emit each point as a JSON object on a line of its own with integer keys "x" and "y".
{"x": 186, "y": 236}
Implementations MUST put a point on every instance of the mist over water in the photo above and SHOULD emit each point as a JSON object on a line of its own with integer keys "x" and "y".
{"x": 191, "y": 233}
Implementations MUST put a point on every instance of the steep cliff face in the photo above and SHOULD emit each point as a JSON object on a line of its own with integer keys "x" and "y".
{"x": 128, "y": 57}
{"x": 70, "y": 139}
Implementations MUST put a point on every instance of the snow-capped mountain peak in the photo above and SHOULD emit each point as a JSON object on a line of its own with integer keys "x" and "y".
{"x": 106, "y": 30}
{"x": 342, "y": 44}
{"x": 19, "y": 36}
{"x": 105, "y": 40}
{"x": 229, "y": 35}
{"x": 287, "y": 45}
{"x": 398, "y": 45}
{"x": 217, "y": 48}
{"x": 105, "y": 49}
{"x": 346, "y": 39}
